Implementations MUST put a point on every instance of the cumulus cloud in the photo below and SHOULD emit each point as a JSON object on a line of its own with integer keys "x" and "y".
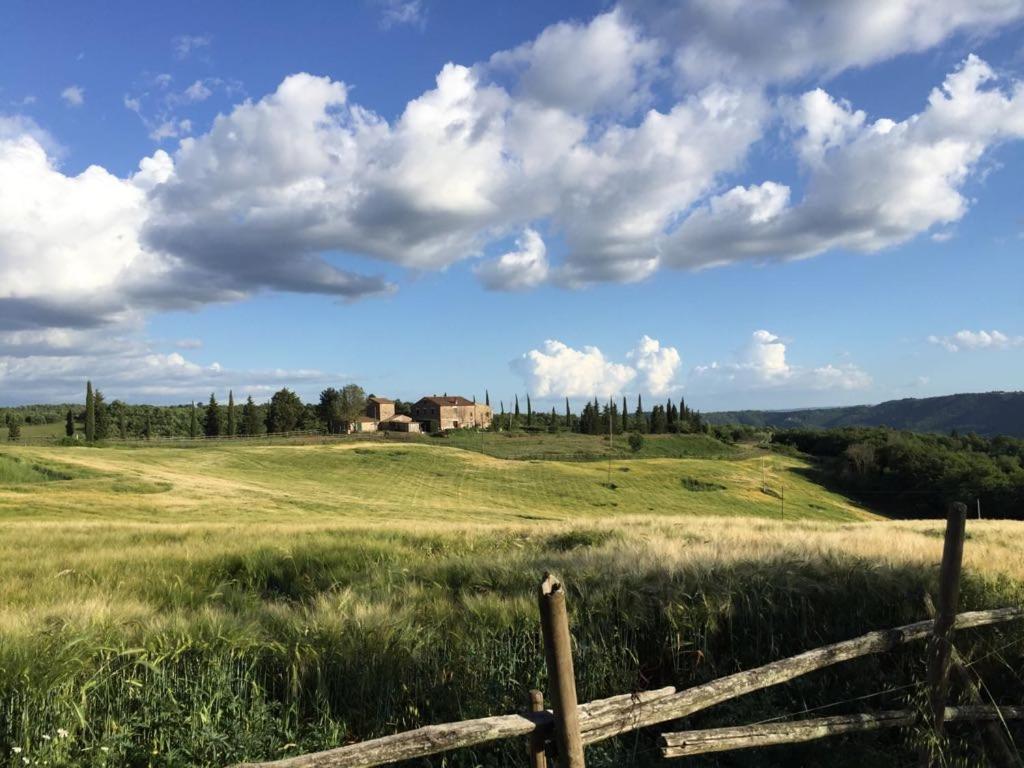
{"x": 73, "y": 95}
{"x": 282, "y": 189}
{"x": 788, "y": 39}
{"x": 762, "y": 363}
{"x": 605, "y": 64}
{"x": 871, "y": 185}
{"x": 974, "y": 340}
{"x": 525, "y": 267}
{"x": 560, "y": 370}
{"x": 53, "y": 366}
{"x": 656, "y": 364}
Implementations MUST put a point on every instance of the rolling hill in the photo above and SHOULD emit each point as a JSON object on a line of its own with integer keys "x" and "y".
{"x": 986, "y": 413}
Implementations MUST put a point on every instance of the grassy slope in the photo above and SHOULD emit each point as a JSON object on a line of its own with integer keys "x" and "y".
{"x": 184, "y": 606}
{"x": 381, "y": 482}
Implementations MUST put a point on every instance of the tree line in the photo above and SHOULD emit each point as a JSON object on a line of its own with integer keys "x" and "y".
{"x": 908, "y": 474}
{"x": 597, "y": 418}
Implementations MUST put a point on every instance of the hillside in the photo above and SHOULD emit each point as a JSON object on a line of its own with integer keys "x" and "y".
{"x": 985, "y": 413}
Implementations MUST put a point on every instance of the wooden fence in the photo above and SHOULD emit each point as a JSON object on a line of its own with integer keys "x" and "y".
{"x": 563, "y": 731}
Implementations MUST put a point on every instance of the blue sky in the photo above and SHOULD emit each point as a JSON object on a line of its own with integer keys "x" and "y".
{"x": 571, "y": 198}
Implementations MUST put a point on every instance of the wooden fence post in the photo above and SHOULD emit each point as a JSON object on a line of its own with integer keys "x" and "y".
{"x": 941, "y": 646}
{"x": 535, "y": 746}
{"x": 554, "y": 622}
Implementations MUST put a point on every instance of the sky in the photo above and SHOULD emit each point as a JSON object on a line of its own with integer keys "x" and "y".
{"x": 778, "y": 205}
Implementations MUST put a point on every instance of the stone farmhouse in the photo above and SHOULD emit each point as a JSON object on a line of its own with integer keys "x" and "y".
{"x": 436, "y": 413}
{"x": 429, "y": 414}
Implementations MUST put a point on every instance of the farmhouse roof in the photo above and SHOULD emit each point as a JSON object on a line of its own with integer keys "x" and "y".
{"x": 456, "y": 400}
{"x": 400, "y": 417}
{"x": 365, "y": 419}
{"x": 381, "y": 400}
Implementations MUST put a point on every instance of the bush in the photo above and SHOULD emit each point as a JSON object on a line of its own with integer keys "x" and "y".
{"x": 636, "y": 442}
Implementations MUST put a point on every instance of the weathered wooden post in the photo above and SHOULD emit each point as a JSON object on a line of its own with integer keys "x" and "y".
{"x": 535, "y": 746}
{"x": 554, "y": 622}
{"x": 941, "y": 646}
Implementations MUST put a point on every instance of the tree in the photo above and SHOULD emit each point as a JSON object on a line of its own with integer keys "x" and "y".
{"x": 553, "y": 424}
{"x": 487, "y": 398}
{"x": 69, "y": 424}
{"x": 517, "y": 408}
{"x": 529, "y": 411}
{"x": 568, "y": 415}
{"x": 636, "y": 442}
{"x": 90, "y": 413}
{"x": 659, "y": 422}
{"x": 250, "y": 418}
{"x": 330, "y": 410}
{"x": 285, "y": 411}
{"x": 121, "y": 416}
{"x": 13, "y": 429}
{"x": 639, "y": 419}
{"x": 353, "y": 402}
{"x": 102, "y": 415}
{"x": 625, "y": 415}
{"x": 232, "y": 416}
{"x": 147, "y": 430}
{"x": 193, "y": 422}
{"x": 211, "y": 424}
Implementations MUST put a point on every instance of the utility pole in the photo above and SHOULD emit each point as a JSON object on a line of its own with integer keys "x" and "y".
{"x": 979, "y": 509}
{"x": 611, "y": 447}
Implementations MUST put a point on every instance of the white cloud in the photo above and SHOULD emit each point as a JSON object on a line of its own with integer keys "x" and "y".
{"x": 789, "y": 39}
{"x": 763, "y": 363}
{"x": 870, "y": 185}
{"x": 198, "y": 91}
{"x": 607, "y": 63}
{"x": 657, "y": 364}
{"x": 398, "y": 12}
{"x": 975, "y": 340}
{"x": 185, "y": 45}
{"x": 525, "y": 267}
{"x": 560, "y": 370}
{"x": 189, "y": 343}
{"x": 73, "y": 95}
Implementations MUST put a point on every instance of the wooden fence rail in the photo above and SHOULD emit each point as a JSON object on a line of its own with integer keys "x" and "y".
{"x": 572, "y": 726}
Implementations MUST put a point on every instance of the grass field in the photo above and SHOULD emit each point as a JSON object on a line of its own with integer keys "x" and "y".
{"x": 174, "y": 606}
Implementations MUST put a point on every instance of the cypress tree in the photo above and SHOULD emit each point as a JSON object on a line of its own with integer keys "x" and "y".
{"x": 568, "y": 414}
{"x": 640, "y": 419}
{"x": 90, "y": 414}
{"x": 211, "y": 424}
{"x": 517, "y": 408}
{"x": 529, "y": 411}
{"x": 193, "y": 422}
{"x": 102, "y": 417}
{"x": 625, "y": 416}
{"x": 487, "y": 398}
{"x": 670, "y": 415}
{"x": 250, "y": 418}
{"x": 232, "y": 417}
{"x": 69, "y": 424}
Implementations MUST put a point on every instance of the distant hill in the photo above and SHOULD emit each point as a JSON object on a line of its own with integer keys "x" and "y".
{"x": 986, "y": 413}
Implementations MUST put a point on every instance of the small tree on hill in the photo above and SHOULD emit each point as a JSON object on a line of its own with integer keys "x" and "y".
{"x": 211, "y": 424}
{"x": 285, "y": 411}
{"x": 69, "y": 424}
{"x": 13, "y": 430}
{"x": 636, "y": 442}
{"x": 102, "y": 415}
{"x": 232, "y": 416}
{"x": 250, "y": 418}
{"x": 90, "y": 413}
{"x": 529, "y": 411}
